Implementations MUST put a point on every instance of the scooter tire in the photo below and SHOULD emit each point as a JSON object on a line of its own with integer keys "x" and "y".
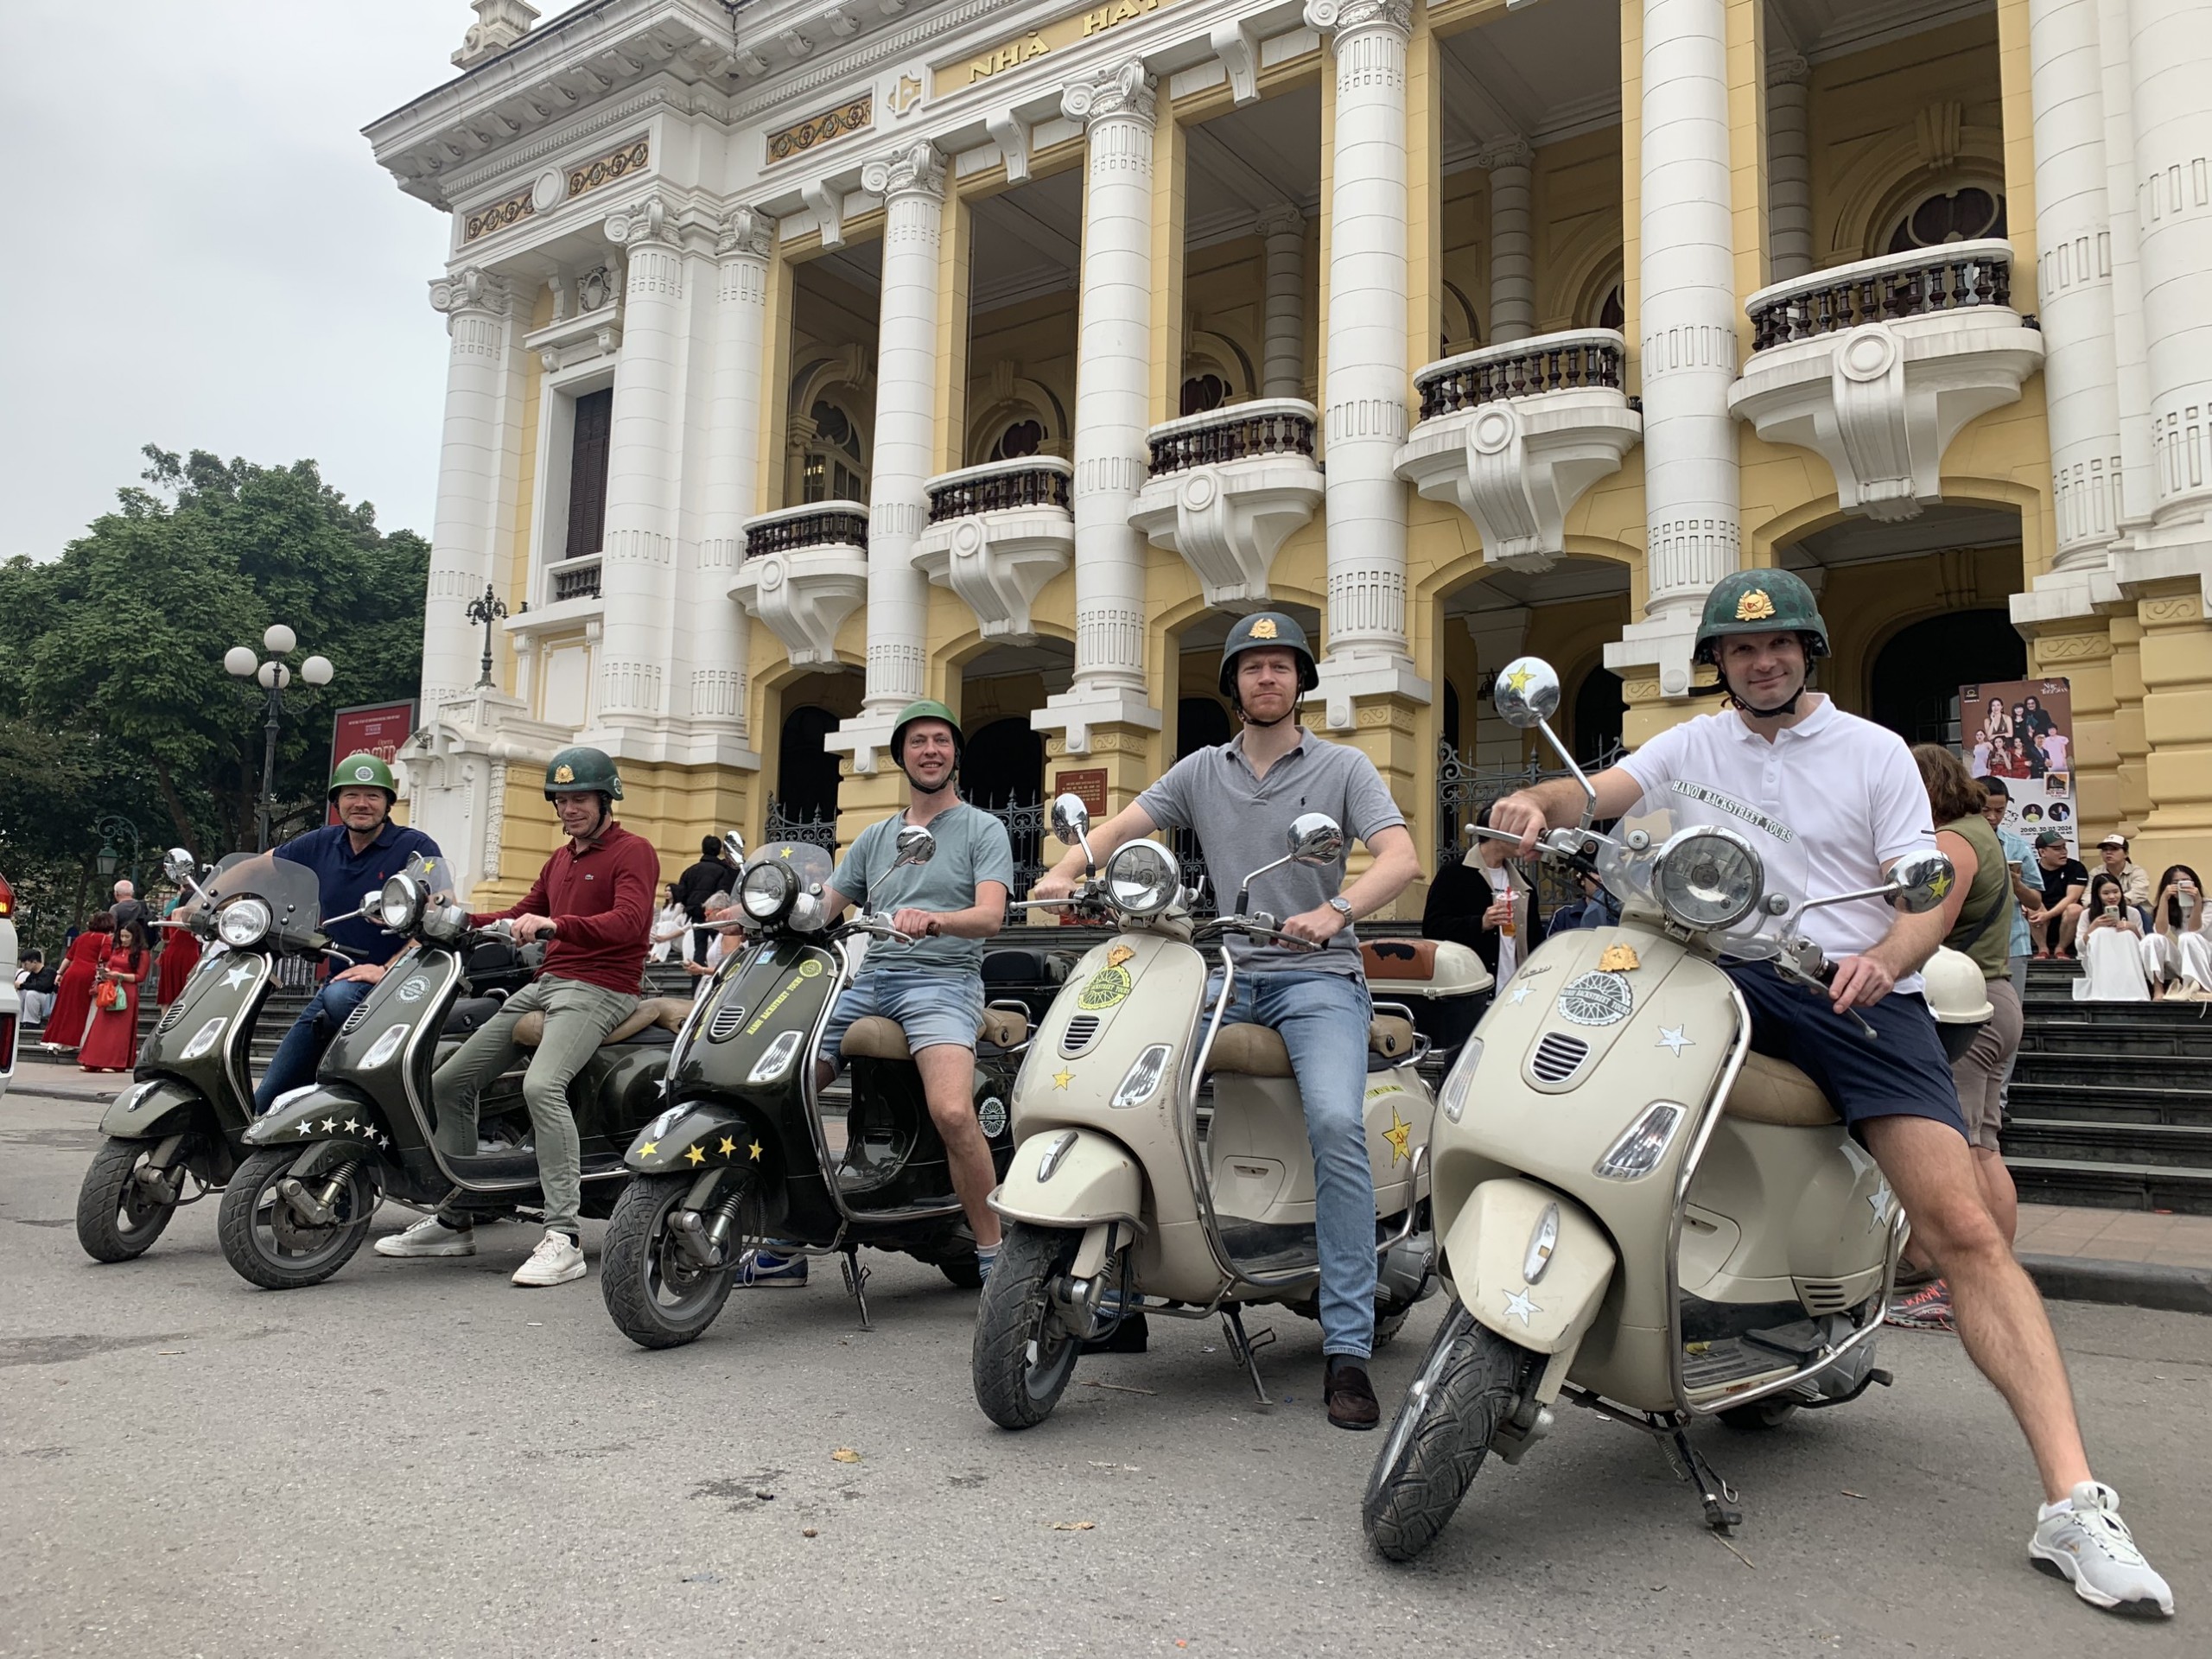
{"x": 1014, "y": 1390}
{"x": 258, "y": 1253}
{"x": 1469, "y": 1384}
{"x": 964, "y": 1271}
{"x": 115, "y": 1220}
{"x": 1759, "y": 1416}
{"x": 635, "y": 1269}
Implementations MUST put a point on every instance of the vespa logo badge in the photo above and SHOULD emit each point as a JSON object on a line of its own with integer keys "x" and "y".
{"x": 1595, "y": 999}
{"x": 414, "y": 989}
{"x": 990, "y": 1118}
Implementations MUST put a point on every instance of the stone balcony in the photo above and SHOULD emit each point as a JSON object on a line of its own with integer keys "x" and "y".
{"x": 1227, "y": 488}
{"x": 1513, "y": 435}
{"x": 997, "y": 533}
{"x": 805, "y": 571}
{"x": 1875, "y": 366}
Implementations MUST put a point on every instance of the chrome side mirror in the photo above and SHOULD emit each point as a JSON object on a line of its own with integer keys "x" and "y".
{"x": 1071, "y": 820}
{"x": 734, "y": 843}
{"x": 1315, "y": 838}
{"x": 179, "y": 866}
{"x": 915, "y": 846}
{"x": 1528, "y": 692}
{"x": 1922, "y": 880}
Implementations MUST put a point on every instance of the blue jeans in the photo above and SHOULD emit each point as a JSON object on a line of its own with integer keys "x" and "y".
{"x": 1322, "y": 1019}
{"x": 293, "y": 1065}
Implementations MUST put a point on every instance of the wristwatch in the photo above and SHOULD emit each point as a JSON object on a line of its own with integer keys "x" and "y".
{"x": 1342, "y": 906}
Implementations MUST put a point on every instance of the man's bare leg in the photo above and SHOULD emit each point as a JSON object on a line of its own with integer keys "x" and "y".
{"x": 2001, "y": 1318}
{"x": 1998, "y": 1192}
{"x": 948, "y": 1083}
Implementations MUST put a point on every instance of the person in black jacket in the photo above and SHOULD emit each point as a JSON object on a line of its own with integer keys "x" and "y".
{"x": 713, "y": 874}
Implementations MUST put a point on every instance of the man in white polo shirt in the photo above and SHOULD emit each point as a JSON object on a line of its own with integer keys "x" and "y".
{"x": 1839, "y": 800}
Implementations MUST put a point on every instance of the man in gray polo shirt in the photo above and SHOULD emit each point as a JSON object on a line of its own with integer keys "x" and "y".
{"x": 932, "y": 989}
{"x": 1239, "y": 799}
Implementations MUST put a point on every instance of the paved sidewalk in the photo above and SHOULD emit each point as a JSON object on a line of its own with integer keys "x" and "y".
{"x": 2137, "y": 1257}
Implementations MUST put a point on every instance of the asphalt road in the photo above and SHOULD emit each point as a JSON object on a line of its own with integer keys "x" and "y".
{"x": 417, "y": 1459}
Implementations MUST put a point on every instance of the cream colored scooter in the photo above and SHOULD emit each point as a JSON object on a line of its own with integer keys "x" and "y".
{"x": 1637, "y": 1214}
{"x": 1115, "y": 1202}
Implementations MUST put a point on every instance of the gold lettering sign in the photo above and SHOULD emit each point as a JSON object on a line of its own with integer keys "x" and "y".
{"x": 1035, "y": 43}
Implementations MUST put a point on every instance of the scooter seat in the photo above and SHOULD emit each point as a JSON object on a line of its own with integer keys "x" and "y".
{"x": 1774, "y": 1091}
{"x": 874, "y": 1038}
{"x": 668, "y": 1013}
{"x": 1258, "y": 1050}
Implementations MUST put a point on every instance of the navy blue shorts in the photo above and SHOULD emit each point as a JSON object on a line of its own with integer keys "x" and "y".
{"x": 1902, "y": 1074}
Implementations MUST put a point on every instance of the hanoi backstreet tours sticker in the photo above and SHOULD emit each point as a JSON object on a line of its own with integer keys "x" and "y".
{"x": 1595, "y": 999}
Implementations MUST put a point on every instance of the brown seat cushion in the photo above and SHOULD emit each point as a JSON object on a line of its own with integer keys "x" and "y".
{"x": 1399, "y": 958}
{"x": 872, "y": 1037}
{"x": 667, "y": 1012}
{"x": 1768, "y": 1090}
{"x": 1004, "y": 1027}
{"x": 1258, "y": 1050}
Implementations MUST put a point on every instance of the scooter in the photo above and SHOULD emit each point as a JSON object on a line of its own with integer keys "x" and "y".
{"x": 1639, "y": 1215}
{"x": 1118, "y": 1203}
{"x": 180, "y": 1127}
{"x": 744, "y": 1153}
{"x": 326, "y": 1155}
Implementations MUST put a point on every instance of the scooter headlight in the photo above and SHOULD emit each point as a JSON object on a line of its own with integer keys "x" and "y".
{"x": 399, "y": 906}
{"x": 243, "y": 922}
{"x": 1707, "y": 877}
{"x": 767, "y": 891}
{"x": 1142, "y": 878}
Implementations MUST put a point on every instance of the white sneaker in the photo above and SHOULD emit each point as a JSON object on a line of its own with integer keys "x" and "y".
{"x": 554, "y": 1262}
{"x": 430, "y": 1236}
{"x": 2088, "y": 1543}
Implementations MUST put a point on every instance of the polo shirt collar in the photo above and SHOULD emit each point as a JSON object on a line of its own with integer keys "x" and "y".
{"x": 1823, "y": 715}
{"x": 1235, "y": 745}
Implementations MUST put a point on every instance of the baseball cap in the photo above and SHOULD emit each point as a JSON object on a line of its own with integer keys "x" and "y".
{"x": 2050, "y": 838}
{"x": 2115, "y": 839}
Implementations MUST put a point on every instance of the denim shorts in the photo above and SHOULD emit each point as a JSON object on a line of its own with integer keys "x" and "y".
{"x": 935, "y": 1008}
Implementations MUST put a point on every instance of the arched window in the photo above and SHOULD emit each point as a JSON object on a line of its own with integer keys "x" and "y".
{"x": 1914, "y": 687}
{"x": 1613, "y": 313}
{"x": 1203, "y": 393}
{"x": 1019, "y": 439}
{"x": 834, "y": 469}
{"x": 1964, "y": 215}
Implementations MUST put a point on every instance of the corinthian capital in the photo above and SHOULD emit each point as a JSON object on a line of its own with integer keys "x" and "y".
{"x": 749, "y": 232}
{"x": 914, "y": 170}
{"x": 1124, "y": 90}
{"x": 472, "y": 288}
{"x": 1342, "y": 16}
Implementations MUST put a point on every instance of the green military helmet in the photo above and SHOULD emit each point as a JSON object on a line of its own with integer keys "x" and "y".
{"x": 574, "y": 772}
{"x": 1267, "y": 628}
{"x": 924, "y": 709}
{"x": 362, "y": 771}
{"x": 1761, "y": 602}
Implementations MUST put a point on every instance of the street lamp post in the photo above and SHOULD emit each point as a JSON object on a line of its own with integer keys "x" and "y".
{"x": 273, "y": 676}
{"x": 487, "y": 610}
{"x": 108, "y": 829}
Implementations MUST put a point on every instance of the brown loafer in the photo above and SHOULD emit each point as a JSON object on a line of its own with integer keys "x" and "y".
{"x": 1350, "y": 1395}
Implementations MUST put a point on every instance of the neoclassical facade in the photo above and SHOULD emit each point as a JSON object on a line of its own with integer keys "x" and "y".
{"x": 807, "y": 358}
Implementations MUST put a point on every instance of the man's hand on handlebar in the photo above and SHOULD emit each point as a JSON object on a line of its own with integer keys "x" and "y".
{"x": 1053, "y": 885}
{"x": 1859, "y": 982}
{"x": 1519, "y": 814}
{"x": 1313, "y": 928}
{"x": 916, "y": 923}
{"x": 526, "y": 928}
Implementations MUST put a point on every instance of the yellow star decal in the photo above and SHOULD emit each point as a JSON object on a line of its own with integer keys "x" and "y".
{"x": 1400, "y": 1136}
{"x": 785, "y": 854}
{"x": 1518, "y": 679}
{"x": 1062, "y": 1078}
{"x": 755, "y": 1150}
{"x": 649, "y": 1149}
{"x": 1940, "y": 885}
{"x": 728, "y": 1147}
{"x": 694, "y": 1155}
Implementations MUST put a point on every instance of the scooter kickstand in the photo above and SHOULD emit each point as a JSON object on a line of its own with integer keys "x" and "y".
{"x": 1246, "y": 1348}
{"x": 856, "y": 1281}
{"x": 1720, "y": 1498}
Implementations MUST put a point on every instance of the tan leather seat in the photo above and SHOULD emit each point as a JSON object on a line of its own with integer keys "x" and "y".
{"x": 667, "y": 1012}
{"x": 872, "y": 1037}
{"x": 1768, "y": 1090}
{"x": 1258, "y": 1050}
{"x": 1399, "y": 958}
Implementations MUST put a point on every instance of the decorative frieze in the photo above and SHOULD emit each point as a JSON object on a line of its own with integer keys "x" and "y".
{"x": 838, "y": 121}
{"x": 499, "y": 215}
{"x": 619, "y": 163}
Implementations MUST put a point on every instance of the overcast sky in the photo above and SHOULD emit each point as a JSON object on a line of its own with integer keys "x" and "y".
{"x": 202, "y": 254}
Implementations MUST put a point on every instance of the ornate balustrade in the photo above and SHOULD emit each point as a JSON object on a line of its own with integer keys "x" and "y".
{"x": 823, "y": 524}
{"x": 997, "y": 534}
{"x": 805, "y": 571}
{"x": 1031, "y": 481}
{"x": 1923, "y": 282}
{"x": 1270, "y": 426}
{"x": 1227, "y": 487}
{"x": 575, "y": 578}
{"x": 1580, "y": 359}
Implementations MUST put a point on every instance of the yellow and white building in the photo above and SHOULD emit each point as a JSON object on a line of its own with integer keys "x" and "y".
{"x": 810, "y": 358}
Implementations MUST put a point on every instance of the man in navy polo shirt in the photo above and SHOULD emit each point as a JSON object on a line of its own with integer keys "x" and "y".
{"x": 349, "y": 858}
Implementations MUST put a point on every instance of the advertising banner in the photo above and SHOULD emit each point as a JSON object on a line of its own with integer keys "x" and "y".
{"x": 2022, "y": 731}
{"x": 378, "y": 728}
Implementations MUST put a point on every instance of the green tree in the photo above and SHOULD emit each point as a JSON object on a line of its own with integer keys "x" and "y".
{"x": 112, "y": 693}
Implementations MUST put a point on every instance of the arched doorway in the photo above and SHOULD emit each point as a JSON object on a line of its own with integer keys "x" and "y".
{"x": 806, "y": 778}
{"x": 1913, "y": 688}
{"x": 1004, "y": 763}
{"x": 1599, "y": 713}
{"x": 1200, "y": 723}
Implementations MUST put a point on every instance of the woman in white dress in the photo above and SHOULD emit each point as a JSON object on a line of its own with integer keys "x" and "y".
{"x": 2110, "y": 940}
{"x": 2178, "y": 952}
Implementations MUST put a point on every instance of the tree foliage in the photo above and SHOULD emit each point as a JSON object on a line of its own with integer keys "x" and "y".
{"x": 113, "y": 698}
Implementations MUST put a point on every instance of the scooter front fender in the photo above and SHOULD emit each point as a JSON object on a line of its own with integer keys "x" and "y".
{"x": 147, "y": 1111}
{"x": 1491, "y": 1242}
{"x": 327, "y": 1111}
{"x": 1071, "y": 1178}
{"x": 697, "y": 1135}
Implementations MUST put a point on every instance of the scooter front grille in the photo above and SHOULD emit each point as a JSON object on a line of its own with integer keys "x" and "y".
{"x": 353, "y": 1019}
{"x": 728, "y": 1018}
{"x": 170, "y": 1015}
{"x": 1559, "y": 1057}
{"x": 1082, "y": 1032}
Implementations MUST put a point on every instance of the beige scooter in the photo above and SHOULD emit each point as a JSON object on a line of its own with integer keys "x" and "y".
{"x": 1116, "y": 1201}
{"x": 1637, "y": 1214}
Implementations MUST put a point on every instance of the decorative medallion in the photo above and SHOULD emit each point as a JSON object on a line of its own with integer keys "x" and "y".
{"x": 990, "y": 1118}
{"x": 1120, "y": 953}
{"x": 854, "y": 115}
{"x": 1595, "y": 999}
{"x": 565, "y": 773}
{"x": 1108, "y": 987}
{"x": 1618, "y": 959}
{"x": 1264, "y": 628}
{"x": 499, "y": 215}
{"x": 1756, "y": 606}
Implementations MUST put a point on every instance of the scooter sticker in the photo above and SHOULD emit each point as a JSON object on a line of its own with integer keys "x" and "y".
{"x": 413, "y": 989}
{"x": 990, "y": 1118}
{"x": 1108, "y": 987}
{"x": 1400, "y": 1136}
{"x": 810, "y": 969}
{"x": 1518, "y": 1307}
{"x": 1595, "y": 999}
{"x": 1618, "y": 959}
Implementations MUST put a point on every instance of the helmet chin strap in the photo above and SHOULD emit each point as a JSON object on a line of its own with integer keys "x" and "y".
{"x": 1249, "y": 720}
{"x": 1786, "y": 706}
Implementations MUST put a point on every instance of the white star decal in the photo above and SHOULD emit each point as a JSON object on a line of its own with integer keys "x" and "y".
{"x": 1879, "y": 1200}
{"x": 1518, "y": 1307}
{"x": 328, "y": 1124}
{"x": 1521, "y": 994}
{"x": 1671, "y": 1036}
{"x": 307, "y": 1128}
{"x": 238, "y": 976}
{"x": 384, "y": 1141}
{"x": 351, "y": 1125}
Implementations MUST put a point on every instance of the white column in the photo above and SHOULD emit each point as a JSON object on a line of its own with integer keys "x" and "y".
{"x": 1282, "y": 341}
{"x": 1112, "y": 406}
{"x": 2172, "y": 46}
{"x": 1688, "y": 324}
{"x": 912, "y": 183}
{"x": 721, "y": 632}
{"x": 643, "y": 459}
{"x": 2131, "y": 364}
{"x": 1512, "y": 245}
{"x": 1364, "y": 390}
{"x": 2073, "y": 276}
{"x": 472, "y": 479}
{"x": 1788, "y": 171}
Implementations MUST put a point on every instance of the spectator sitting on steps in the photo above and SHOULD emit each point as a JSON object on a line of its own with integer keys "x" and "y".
{"x": 2064, "y": 879}
{"x": 2110, "y": 939}
{"x": 2178, "y": 952}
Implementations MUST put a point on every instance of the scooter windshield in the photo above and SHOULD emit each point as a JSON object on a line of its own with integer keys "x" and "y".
{"x": 1712, "y": 880}
{"x": 808, "y": 862}
{"x": 289, "y": 890}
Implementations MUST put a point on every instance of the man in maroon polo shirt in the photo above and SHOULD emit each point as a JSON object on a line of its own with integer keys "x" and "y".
{"x": 593, "y": 905}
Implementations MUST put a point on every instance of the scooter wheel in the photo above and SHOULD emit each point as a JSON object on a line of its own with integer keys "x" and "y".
{"x": 965, "y": 1271}
{"x": 270, "y": 1246}
{"x": 118, "y": 1217}
{"x": 1468, "y": 1385}
{"x": 657, "y": 1295}
{"x": 1759, "y": 1416}
{"x": 1024, "y": 1355}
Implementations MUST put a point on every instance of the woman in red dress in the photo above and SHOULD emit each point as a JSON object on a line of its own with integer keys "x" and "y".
{"x": 180, "y": 955}
{"x": 72, "y": 986}
{"x": 112, "y": 1043}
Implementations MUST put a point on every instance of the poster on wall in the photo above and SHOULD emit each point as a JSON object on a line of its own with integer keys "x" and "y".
{"x": 2023, "y": 732}
{"x": 378, "y": 727}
